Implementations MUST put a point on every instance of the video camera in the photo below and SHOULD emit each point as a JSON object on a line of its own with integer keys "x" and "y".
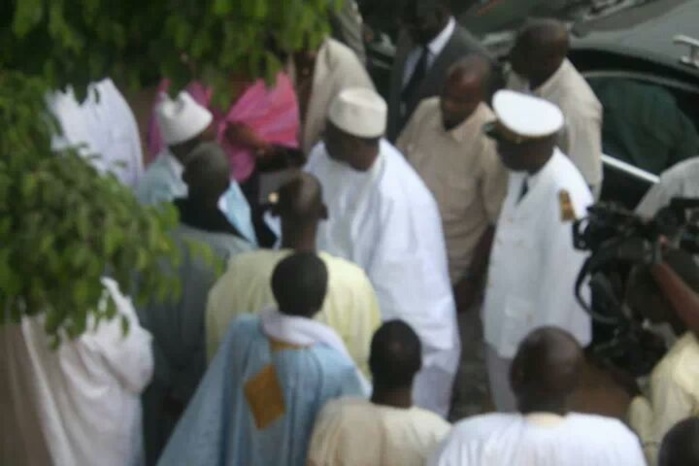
{"x": 618, "y": 240}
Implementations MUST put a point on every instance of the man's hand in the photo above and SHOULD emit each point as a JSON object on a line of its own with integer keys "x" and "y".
{"x": 242, "y": 135}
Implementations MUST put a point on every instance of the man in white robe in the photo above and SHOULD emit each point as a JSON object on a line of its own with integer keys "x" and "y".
{"x": 540, "y": 67}
{"x": 388, "y": 430}
{"x": 319, "y": 75}
{"x": 273, "y": 373}
{"x": 105, "y": 124}
{"x": 384, "y": 219}
{"x": 85, "y": 395}
{"x": 545, "y": 374}
{"x": 533, "y": 263}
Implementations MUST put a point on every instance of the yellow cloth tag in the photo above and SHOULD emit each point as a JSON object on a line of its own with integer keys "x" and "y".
{"x": 265, "y": 397}
{"x": 567, "y": 210}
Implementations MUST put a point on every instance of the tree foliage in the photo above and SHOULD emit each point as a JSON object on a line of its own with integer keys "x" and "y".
{"x": 62, "y": 226}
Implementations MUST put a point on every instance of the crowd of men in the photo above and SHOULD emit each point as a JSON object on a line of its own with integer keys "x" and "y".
{"x": 415, "y": 267}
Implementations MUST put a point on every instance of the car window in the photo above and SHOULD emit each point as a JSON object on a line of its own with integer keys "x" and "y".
{"x": 649, "y": 123}
{"x": 646, "y": 123}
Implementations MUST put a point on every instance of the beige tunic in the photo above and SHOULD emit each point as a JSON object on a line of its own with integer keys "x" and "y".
{"x": 353, "y": 432}
{"x": 337, "y": 68}
{"x": 462, "y": 169}
{"x": 581, "y": 138}
{"x": 673, "y": 396}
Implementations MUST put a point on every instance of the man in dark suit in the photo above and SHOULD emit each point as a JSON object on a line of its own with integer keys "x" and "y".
{"x": 431, "y": 41}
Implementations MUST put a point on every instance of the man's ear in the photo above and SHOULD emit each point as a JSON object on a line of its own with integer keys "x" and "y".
{"x": 324, "y": 212}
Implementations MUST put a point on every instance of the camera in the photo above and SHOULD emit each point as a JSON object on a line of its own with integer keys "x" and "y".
{"x": 619, "y": 240}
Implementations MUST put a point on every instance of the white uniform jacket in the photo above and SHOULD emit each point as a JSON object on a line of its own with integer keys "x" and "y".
{"x": 533, "y": 265}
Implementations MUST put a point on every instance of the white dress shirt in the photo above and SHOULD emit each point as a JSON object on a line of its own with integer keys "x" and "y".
{"x": 435, "y": 48}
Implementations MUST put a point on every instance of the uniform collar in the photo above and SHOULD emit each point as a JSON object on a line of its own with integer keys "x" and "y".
{"x": 440, "y": 42}
{"x": 534, "y": 179}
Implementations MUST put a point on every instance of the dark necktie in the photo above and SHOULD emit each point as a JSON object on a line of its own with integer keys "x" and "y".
{"x": 417, "y": 77}
{"x": 524, "y": 191}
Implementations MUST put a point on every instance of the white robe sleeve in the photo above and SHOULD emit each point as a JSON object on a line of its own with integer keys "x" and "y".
{"x": 129, "y": 357}
{"x": 409, "y": 272}
{"x": 656, "y": 198}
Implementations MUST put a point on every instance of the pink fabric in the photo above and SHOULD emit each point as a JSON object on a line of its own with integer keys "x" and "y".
{"x": 273, "y": 113}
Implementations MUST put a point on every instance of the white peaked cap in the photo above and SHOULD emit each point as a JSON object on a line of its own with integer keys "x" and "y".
{"x": 360, "y": 112}
{"x": 181, "y": 119}
{"x": 527, "y": 116}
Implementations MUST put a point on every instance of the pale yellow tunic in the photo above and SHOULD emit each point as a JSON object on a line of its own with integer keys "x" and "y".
{"x": 673, "y": 397}
{"x": 350, "y": 307}
{"x": 353, "y": 432}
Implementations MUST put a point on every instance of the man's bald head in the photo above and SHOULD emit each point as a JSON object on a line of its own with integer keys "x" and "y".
{"x": 546, "y": 370}
{"x": 396, "y": 355}
{"x": 467, "y": 85}
{"x": 540, "y": 49}
{"x": 301, "y": 200}
{"x": 207, "y": 172}
{"x": 680, "y": 446}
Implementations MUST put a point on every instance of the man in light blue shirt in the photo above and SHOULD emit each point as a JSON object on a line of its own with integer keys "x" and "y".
{"x": 259, "y": 399}
{"x": 183, "y": 124}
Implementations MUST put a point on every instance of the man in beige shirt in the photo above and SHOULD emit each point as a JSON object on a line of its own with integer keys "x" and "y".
{"x": 540, "y": 67}
{"x": 350, "y": 308}
{"x": 387, "y": 430}
{"x": 445, "y": 143}
{"x": 673, "y": 393}
{"x": 319, "y": 75}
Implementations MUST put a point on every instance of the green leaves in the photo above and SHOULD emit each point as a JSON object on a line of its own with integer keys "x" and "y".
{"x": 63, "y": 226}
{"x": 27, "y": 16}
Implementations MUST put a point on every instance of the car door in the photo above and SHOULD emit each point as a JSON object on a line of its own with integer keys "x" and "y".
{"x": 651, "y": 122}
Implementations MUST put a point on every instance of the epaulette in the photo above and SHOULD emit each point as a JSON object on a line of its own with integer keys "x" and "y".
{"x": 566, "y": 205}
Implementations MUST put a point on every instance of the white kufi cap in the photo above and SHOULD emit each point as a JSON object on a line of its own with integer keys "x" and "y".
{"x": 527, "y": 116}
{"x": 360, "y": 112}
{"x": 181, "y": 119}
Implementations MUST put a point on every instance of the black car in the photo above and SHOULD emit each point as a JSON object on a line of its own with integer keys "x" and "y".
{"x": 641, "y": 57}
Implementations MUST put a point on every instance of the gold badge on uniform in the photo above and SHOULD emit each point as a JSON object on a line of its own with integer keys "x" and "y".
{"x": 567, "y": 210}
{"x": 265, "y": 397}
